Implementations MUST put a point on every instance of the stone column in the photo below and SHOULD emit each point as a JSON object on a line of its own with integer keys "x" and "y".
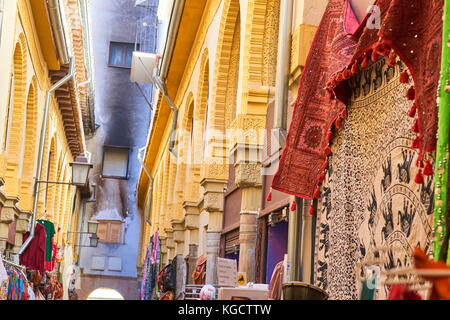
{"x": 8, "y": 214}
{"x": 163, "y": 249}
{"x": 192, "y": 260}
{"x": 22, "y": 223}
{"x": 213, "y": 203}
{"x": 178, "y": 236}
{"x": 170, "y": 244}
{"x": 191, "y": 223}
{"x": 248, "y": 179}
{"x": 212, "y": 251}
{"x": 248, "y": 231}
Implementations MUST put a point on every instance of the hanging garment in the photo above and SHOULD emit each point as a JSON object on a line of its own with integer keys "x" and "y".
{"x": 34, "y": 255}
{"x": 402, "y": 292}
{"x": 144, "y": 274}
{"x": 67, "y": 270}
{"x": 369, "y": 197}
{"x": 367, "y": 293}
{"x": 441, "y": 285}
{"x": 3, "y": 281}
{"x": 17, "y": 285}
{"x": 409, "y": 29}
{"x": 199, "y": 274}
{"x": 50, "y": 232}
{"x": 276, "y": 281}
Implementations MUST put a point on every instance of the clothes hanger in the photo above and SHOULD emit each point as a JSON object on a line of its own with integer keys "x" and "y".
{"x": 44, "y": 218}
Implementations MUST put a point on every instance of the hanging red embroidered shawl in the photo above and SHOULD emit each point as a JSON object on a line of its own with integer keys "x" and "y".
{"x": 411, "y": 30}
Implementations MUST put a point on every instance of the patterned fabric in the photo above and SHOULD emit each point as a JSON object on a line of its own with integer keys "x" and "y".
{"x": 406, "y": 27}
{"x": 369, "y": 198}
{"x": 302, "y": 158}
{"x": 3, "y": 281}
{"x": 441, "y": 213}
{"x": 146, "y": 269}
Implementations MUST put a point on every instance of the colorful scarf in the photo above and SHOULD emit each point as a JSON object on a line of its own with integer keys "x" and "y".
{"x": 441, "y": 217}
{"x": 410, "y": 30}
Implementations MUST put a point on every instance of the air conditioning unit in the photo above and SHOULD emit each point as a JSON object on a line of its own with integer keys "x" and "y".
{"x": 142, "y": 66}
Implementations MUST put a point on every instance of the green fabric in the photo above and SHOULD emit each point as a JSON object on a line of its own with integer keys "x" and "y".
{"x": 441, "y": 169}
{"x": 366, "y": 292}
{"x": 49, "y": 228}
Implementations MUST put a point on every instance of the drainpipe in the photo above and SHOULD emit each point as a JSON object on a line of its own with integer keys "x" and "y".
{"x": 283, "y": 68}
{"x": 87, "y": 57}
{"x": 141, "y": 161}
{"x": 162, "y": 87}
{"x": 58, "y": 31}
{"x": 296, "y": 223}
{"x": 159, "y": 76}
{"x": 41, "y": 151}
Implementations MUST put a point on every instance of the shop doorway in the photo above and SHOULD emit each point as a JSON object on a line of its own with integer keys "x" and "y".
{"x": 276, "y": 246}
{"x": 105, "y": 294}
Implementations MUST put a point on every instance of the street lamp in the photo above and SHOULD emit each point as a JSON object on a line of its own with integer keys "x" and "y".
{"x": 92, "y": 231}
{"x": 80, "y": 170}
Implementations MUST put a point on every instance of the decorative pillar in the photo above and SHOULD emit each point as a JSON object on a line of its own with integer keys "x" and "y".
{"x": 191, "y": 221}
{"x": 213, "y": 203}
{"x": 178, "y": 236}
{"x": 191, "y": 262}
{"x": 8, "y": 215}
{"x": 22, "y": 223}
{"x": 247, "y": 150}
{"x": 248, "y": 231}
{"x": 212, "y": 251}
{"x": 163, "y": 249}
{"x": 170, "y": 244}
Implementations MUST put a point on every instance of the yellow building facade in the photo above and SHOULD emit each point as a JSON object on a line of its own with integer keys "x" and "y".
{"x": 221, "y": 78}
{"x": 30, "y": 66}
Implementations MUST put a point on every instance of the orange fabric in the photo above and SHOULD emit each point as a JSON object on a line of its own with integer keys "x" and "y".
{"x": 441, "y": 285}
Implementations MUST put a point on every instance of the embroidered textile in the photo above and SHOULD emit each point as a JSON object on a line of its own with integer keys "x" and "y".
{"x": 369, "y": 197}
{"x": 406, "y": 27}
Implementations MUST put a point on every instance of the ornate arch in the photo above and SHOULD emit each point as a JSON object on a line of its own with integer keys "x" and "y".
{"x": 220, "y": 114}
{"x": 199, "y": 131}
{"x": 15, "y": 126}
{"x": 184, "y": 151}
{"x": 51, "y": 176}
{"x": 260, "y": 47}
{"x": 29, "y": 148}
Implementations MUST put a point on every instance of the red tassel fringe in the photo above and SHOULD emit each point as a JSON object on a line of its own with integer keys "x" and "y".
{"x": 269, "y": 197}
{"x": 317, "y": 193}
{"x": 415, "y": 127}
{"x": 419, "y": 177}
{"x": 293, "y": 206}
{"x": 392, "y": 61}
{"x": 365, "y": 61}
{"x": 374, "y": 55}
{"x": 355, "y": 68}
{"x": 338, "y": 123}
{"x": 311, "y": 209}
{"x": 411, "y": 93}
{"x": 347, "y": 74}
{"x": 428, "y": 170}
{"x": 404, "y": 78}
{"x": 325, "y": 165}
{"x": 321, "y": 177}
{"x": 416, "y": 143}
{"x": 330, "y": 135}
{"x": 412, "y": 112}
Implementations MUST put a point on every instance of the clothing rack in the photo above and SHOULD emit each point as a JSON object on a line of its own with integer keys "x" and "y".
{"x": 12, "y": 263}
{"x": 20, "y": 267}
